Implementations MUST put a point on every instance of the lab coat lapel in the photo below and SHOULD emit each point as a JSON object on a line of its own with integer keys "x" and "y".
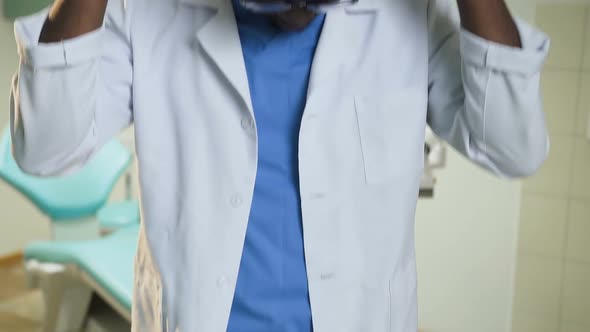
{"x": 335, "y": 48}
{"x": 220, "y": 39}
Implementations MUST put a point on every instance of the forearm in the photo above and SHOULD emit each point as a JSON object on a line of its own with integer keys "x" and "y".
{"x": 491, "y": 20}
{"x": 72, "y": 18}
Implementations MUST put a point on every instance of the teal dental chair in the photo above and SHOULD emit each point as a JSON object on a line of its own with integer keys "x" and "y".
{"x": 73, "y": 275}
{"x": 76, "y": 204}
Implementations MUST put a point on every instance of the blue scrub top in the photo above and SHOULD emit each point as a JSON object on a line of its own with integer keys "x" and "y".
{"x": 271, "y": 293}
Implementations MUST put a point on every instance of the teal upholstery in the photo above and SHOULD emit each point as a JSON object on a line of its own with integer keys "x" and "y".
{"x": 74, "y": 196}
{"x": 119, "y": 214}
{"x": 108, "y": 261}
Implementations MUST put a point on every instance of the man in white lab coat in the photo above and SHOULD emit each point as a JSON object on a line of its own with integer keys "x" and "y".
{"x": 280, "y": 148}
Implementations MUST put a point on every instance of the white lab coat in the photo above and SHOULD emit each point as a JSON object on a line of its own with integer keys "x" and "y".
{"x": 382, "y": 71}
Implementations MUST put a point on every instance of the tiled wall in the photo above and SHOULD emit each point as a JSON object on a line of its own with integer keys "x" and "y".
{"x": 552, "y": 292}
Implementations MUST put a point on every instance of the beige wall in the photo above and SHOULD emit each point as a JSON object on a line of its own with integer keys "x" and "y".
{"x": 466, "y": 244}
{"x": 553, "y": 275}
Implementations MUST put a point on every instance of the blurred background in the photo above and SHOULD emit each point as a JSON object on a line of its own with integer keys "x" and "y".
{"x": 493, "y": 255}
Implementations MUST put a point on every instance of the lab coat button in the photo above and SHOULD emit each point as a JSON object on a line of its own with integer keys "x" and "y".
{"x": 327, "y": 276}
{"x": 236, "y": 200}
{"x": 312, "y": 116}
{"x": 318, "y": 195}
{"x": 222, "y": 281}
{"x": 247, "y": 124}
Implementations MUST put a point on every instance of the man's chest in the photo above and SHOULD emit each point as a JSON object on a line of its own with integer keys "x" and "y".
{"x": 362, "y": 113}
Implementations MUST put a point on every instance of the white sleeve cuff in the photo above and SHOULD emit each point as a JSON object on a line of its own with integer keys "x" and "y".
{"x": 59, "y": 54}
{"x": 527, "y": 60}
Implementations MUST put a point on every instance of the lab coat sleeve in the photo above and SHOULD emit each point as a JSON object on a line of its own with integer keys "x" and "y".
{"x": 484, "y": 97}
{"x": 69, "y": 98}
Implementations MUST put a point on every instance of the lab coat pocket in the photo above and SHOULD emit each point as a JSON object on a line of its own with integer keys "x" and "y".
{"x": 391, "y": 129}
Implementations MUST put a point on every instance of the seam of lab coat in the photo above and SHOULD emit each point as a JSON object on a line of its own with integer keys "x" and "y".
{"x": 485, "y": 112}
{"x": 358, "y": 128}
